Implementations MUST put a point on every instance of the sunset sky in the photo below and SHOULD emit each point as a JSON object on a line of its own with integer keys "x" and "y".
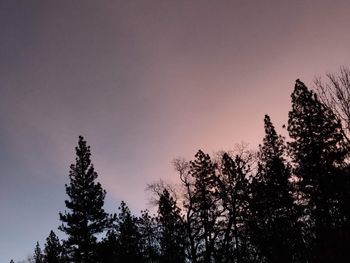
{"x": 144, "y": 82}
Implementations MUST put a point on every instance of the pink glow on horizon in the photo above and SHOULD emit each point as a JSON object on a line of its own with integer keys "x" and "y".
{"x": 144, "y": 82}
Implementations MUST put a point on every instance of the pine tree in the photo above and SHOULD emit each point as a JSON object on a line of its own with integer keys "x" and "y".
{"x": 107, "y": 251}
{"x": 38, "y": 255}
{"x": 234, "y": 244}
{"x": 318, "y": 156}
{"x": 53, "y": 249}
{"x": 86, "y": 216}
{"x": 172, "y": 238}
{"x": 128, "y": 237}
{"x": 12, "y": 261}
{"x": 149, "y": 232}
{"x": 204, "y": 206}
{"x": 274, "y": 220}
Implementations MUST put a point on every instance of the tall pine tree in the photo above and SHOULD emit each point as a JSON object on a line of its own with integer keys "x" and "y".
{"x": 274, "y": 218}
{"x": 204, "y": 206}
{"x": 172, "y": 238}
{"x": 128, "y": 237}
{"x": 149, "y": 232}
{"x": 85, "y": 217}
{"x": 318, "y": 156}
{"x": 233, "y": 244}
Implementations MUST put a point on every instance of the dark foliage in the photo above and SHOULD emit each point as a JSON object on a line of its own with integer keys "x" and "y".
{"x": 319, "y": 160}
{"x": 38, "y": 255}
{"x": 233, "y": 239}
{"x": 53, "y": 249}
{"x": 290, "y": 203}
{"x": 171, "y": 228}
{"x": 86, "y": 216}
{"x": 150, "y": 235}
{"x": 274, "y": 224}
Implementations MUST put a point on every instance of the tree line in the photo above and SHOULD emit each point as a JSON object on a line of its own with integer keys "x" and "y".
{"x": 289, "y": 202}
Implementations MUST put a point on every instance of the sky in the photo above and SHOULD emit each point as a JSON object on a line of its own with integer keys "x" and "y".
{"x": 144, "y": 82}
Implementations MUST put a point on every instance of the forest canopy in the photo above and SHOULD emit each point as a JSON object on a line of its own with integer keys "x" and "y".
{"x": 289, "y": 202}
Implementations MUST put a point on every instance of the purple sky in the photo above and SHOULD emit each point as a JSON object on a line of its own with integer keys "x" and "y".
{"x": 144, "y": 82}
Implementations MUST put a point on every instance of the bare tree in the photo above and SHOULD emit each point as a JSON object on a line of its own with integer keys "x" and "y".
{"x": 335, "y": 94}
{"x": 157, "y": 188}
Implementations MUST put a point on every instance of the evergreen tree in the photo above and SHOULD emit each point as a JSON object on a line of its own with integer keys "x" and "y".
{"x": 149, "y": 232}
{"x": 108, "y": 249}
{"x": 319, "y": 157}
{"x": 38, "y": 255}
{"x": 131, "y": 239}
{"x": 234, "y": 244}
{"x": 172, "y": 238}
{"x": 128, "y": 237}
{"x": 86, "y": 216}
{"x": 53, "y": 249}
{"x": 274, "y": 219}
{"x": 204, "y": 206}
{"x": 12, "y": 261}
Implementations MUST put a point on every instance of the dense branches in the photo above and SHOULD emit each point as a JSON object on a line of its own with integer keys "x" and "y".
{"x": 335, "y": 94}
{"x": 274, "y": 225}
{"x": 171, "y": 229}
{"x": 292, "y": 206}
{"x": 319, "y": 160}
{"x": 53, "y": 249}
{"x": 86, "y": 216}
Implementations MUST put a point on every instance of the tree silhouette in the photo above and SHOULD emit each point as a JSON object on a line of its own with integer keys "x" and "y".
{"x": 335, "y": 94}
{"x": 318, "y": 156}
{"x": 233, "y": 193}
{"x": 38, "y": 255}
{"x": 290, "y": 203}
{"x": 274, "y": 224}
{"x": 149, "y": 232}
{"x": 53, "y": 249}
{"x": 107, "y": 249}
{"x": 86, "y": 216}
{"x": 172, "y": 238}
{"x": 128, "y": 236}
{"x": 204, "y": 206}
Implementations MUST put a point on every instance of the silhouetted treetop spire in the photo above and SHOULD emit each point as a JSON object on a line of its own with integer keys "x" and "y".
{"x": 286, "y": 203}
{"x": 53, "y": 249}
{"x": 318, "y": 156}
{"x": 38, "y": 255}
{"x": 86, "y": 216}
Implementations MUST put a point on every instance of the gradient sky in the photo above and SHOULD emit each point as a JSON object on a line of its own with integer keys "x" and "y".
{"x": 144, "y": 82}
